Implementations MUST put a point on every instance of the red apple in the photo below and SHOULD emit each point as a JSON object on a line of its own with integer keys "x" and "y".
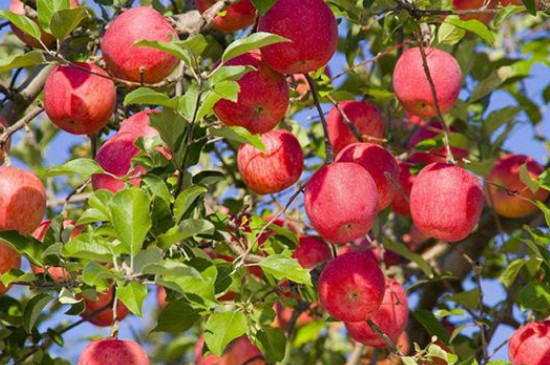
{"x": 4, "y": 124}
{"x": 311, "y": 28}
{"x": 262, "y": 100}
{"x": 18, "y": 7}
{"x": 505, "y": 174}
{"x": 208, "y": 360}
{"x": 77, "y": 101}
{"x": 391, "y": 318}
{"x": 364, "y": 116}
{"x": 530, "y": 344}
{"x": 242, "y": 351}
{"x": 446, "y": 202}
{"x": 139, "y": 124}
{"x": 400, "y": 204}
{"x": 135, "y": 63}
{"x": 235, "y": 17}
{"x": 311, "y": 251}
{"x": 22, "y": 200}
{"x": 161, "y": 297}
{"x": 274, "y": 170}
{"x": 375, "y": 253}
{"x": 475, "y": 4}
{"x": 104, "y": 318}
{"x": 512, "y": 2}
{"x": 430, "y": 131}
{"x": 9, "y": 259}
{"x": 351, "y": 287}
{"x": 341, "y": 202}
{"x": 284, "y": 316}
{"x": 379, "y": 163}
{"x": 111, "y": 351}
{"x": 411, "y": 85}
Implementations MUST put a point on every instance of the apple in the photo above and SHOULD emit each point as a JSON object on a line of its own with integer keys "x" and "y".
{"x": 262, "y": 100}
{"x": 351, "y": 287}
{"x": 366, "y": 118}
{"x": 391, "y": 318}
{"x": 77, "y": 101}
{"x": 429, "y": 131}
{"x": 22, "y": 200}
{"x": 400, "y": 204}
{"x": 58, "y": 274}
{"x": 161, "y": 297}
{"x": 134, "y": 63}
{"x": 530, "y": 344}
{"x": 111, "y": 351}
{"x": 18, "y": 7}
{"x": 385, "y": 356}
{"x": 341, "y": 202}
{"x": 105, "y": 318}
{"x": 446, "y": 202}
{"x": 242, "y": 351}
{"x": 139, "y": 124}
{"x": 363, "y": 245}
{"x": 414, "y": 239}
{"x": 199, "y": 359}
{"x": 311, "y": 28}
{"x": 9, "y": 259}
{"x": 235, "y": 17}
{"x": 411, "y": 85}
{"x": 311, "y": 251}
{"x": 505, "y": 173}
{"x": 512, "y": 2}
{"x": 274, "y": 170}
{"x": 284, "y": 316}
{"x": 379, "y": 163}
{"x": 3, "y": 125}
{"x": 475, "y": 4}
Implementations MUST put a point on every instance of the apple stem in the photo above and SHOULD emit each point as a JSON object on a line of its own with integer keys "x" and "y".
{"x": 329, "y": 155}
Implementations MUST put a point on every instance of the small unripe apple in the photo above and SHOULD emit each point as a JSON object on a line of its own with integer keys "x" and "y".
{"x": 530, "y": 344}
{"x": 351, "y": 287}
{"x": 111, "y": 351}
{"x": 9, "y": 259}
{"x": 366, "y": 118}
{"x": 473, "y": 5}
{"x": 430, "y": 131}
{"x": 18, "y": 7}
{"x": 506, "y": 174}
{"x": 400, "y": 204}
{"x": 22, "y": 200}
{"x": 274, "y": 170}
{"x": 262, "y": 100}
{"x": 77, "y": 101}
{"x": 136, "y": 63}
{"x": 341, "y": 202}
{"x": 311, "y": 251}
{"x": 208, "y": 360}
{"x": 4, "y": 124}
{"x": 242, "y": 351}
{"x": 446, "y": 202}
{"x": 311, "y": 28}
{"x": 235, "y": 17}
{"x": 379, "y": 163}
{"x": 411, "y": 85}
{"x": 391, "y": 318}
{"x": 104, "y": 318}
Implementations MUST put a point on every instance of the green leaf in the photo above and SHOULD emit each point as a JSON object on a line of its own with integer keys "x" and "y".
{"x": 500, "y": 117}
{"x": 474, "y": 26}
{"x": 130, "y": 217}
{"x": 33, "y": 309}
{"x": 185, "y": 199}
{"x": 246, "y": 44}
{"x": 186, "y": 50}
{"x": 177, "y": 317}
{"x": 21, "y": 60}
{"x": 404, "y": 251}
{"x": 222, "y": 328}
{"x": 186, "y": 229}
{"x": 227, "y": 90}
{"x": 232, "y": 73}
{"x": 531, "y": 6}
{"x": 272, "y": 343}
{"x": 282, "y": 267}
{"x": 239, "y": 134}
{"x": 84, "y": 167}
{"x": 146, "y": 96}
{"x": 158, "y": 187}
{"x": 535, "y": 296}
{"x": 47, "y": 8}
{"x": 24, "y": 245}
{"x": 263, "y": 5}
{"x": 526, "y": 178}
{"x": 469, "y": 299}
{"x": 25, "y": 24}
{"x": 171, "y": 127}
{"x": 506, "y": 13}
{"x": 84, "y": 246}
{"x": 65, "y": 21}
{"x": 133, "y": 295}
{"x": 509, "y": 275}
{"x": 407, "y": 360}
{"x": 431, "y": 324}
{"x": 98, "y": 275}
{"x": 449, "y": 34}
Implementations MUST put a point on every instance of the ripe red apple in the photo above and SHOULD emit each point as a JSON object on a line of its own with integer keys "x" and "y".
{"x": 77, "y": 101}
{"x": 430, "y": 131}
{"x": 18, "y": 7}
{"x": 235, "y": 17}
{"x": 446, "y": 202}
{"x": 411, "y": 85}
{"x": 4, "y": 124}
{"x": 274, "y": 170}
{"x": 242, "y": 351}
{"x": 379, "y": 163}
{"x": 22, "y": 200}
{"x": 364, "y": 116}
{"x": 505, "y": 173}
{"x": 133, "y": 63}
{"x": 139, "y": 124}
{"x": 400, "y": 204}
{"x": 208, "y": 360}
{"x": 284, "y": 316}
{"x": 391, "y": 318}
{"x": 311, "y": 28}
{"x": 311, "y": 251}
{"x": 341, "y": 202}
{"x": 262, "y": 100}
{"x": 351, "y": 287}
{"x": 512, "y": 2}
{"x": 104, "y": 318}
{"x": 111, "y": 351}
{"x": 363, "y": 245}
{"x": 475, "y": 4}
{"x": 9, "y": 259}
{"x": 530, "y": 344}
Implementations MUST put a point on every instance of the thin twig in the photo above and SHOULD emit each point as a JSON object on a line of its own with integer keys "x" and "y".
{"x": 328, "y": 146}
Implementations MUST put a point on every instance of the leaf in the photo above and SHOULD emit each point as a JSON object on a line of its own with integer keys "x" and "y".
{"x": 86, "y": 247}
{"x": 239, "y": 134}
{"x": 535, "y": 296}
{"x": 65, "y": 21}
{"x": 500, "y": 117}
{"x": 130, "y": 217}
{"x": 133, "y": 295}
{"x": 509, "y": 274}
{"x": 147, "y": 96}
{"x": 526, "y": 178}
{"x": 186, "y": 50}
{"x": 472, "y": 25}
{"x": 272, "y": 343}
{"x": 33, "y": 309}
{"x": 171, "y": 128}
{"x": 449, "y": 34}
{"x": 84, "y": 167}
{"x": 25, "y": 24}
{"x": 186, "y": 198}
{"x": 222, "y": 328}
{"x": 177, "y": 317}
{"x": 531, "y": 6}
{"x": 24, "y": 245}
{"x": 158, "y": 187}
{"x": 21, "y": 60}
{"x": 404, "y": 251}
{"x": 263, "y": 5}
{"x": 469, "y": 299}
{"x": 47, "y": 8}
{"x": 246, "y": 44}
{"x": 431, "y": 324}
{"x": 282, "y": 267}
{"x": 187, "y": 228}
{"x": 232, "y": 73}
{"x": 227, "y": 90}
{"x": 407, "y": 360}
